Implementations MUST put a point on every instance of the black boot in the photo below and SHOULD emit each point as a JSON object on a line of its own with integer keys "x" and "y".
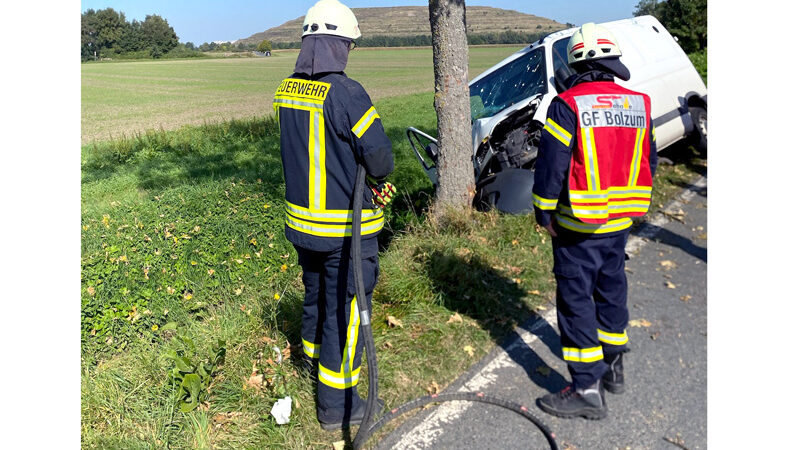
{"x": 613, "y": 379}
{"x": 329, "y": 423}
{"x": 589, "y": 403}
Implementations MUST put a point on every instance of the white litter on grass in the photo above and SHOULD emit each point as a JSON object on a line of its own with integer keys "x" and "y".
{"x": 280, "y": 355}
{"x": 281, "y": 410}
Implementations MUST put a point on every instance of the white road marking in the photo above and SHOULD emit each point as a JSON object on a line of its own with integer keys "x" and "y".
{"x": 424, "y": 435}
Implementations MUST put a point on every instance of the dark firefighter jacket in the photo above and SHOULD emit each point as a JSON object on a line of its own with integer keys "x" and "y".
{"x": 560, "y": 162}
{"x": 328, "y": 126}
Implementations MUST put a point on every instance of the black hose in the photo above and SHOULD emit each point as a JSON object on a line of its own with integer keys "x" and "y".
{"x": 363, "y": 308}
{"x": 368, "y": 428}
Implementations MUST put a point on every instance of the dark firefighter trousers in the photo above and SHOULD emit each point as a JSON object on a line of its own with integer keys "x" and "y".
{"x": 591, "y": 300}
{"x": 330, "y": 327}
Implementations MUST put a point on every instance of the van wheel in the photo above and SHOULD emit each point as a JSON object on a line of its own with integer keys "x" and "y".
{"x": 700, "y": 133}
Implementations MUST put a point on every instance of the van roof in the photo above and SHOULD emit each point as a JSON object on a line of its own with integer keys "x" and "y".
{"x": 561, "y": 34}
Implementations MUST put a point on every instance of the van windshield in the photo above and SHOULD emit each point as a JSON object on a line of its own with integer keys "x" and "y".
{"x": 516, "y": 81}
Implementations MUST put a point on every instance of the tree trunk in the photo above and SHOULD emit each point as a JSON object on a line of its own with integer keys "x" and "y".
{"x": 450, "y": 70}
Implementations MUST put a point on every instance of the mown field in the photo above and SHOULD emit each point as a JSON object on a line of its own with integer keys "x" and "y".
{"x": 183, "y": 259}
{"x": 121, "y": 98}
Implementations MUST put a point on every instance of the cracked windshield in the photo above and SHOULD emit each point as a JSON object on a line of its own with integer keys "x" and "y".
{"x": 516, "y": 81}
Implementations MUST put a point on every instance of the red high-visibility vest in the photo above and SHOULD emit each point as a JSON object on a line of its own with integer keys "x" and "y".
{"x": 609, "y": 175}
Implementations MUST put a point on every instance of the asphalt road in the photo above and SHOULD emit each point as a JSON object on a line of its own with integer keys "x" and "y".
{"x": 664, "y": 406}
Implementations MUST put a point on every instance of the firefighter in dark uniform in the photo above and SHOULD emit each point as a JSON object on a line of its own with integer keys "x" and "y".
{"x": 328, "y": 127}
{"x": 593, "y": 174}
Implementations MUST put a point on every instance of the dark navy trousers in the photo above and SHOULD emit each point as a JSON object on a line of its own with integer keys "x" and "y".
{"x": 591, "y": 300}
{"x": 330, "y": 328}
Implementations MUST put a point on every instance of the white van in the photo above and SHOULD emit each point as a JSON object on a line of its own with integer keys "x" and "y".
{"x": 509, "y": 105}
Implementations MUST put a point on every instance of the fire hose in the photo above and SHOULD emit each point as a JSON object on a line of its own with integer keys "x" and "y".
{"x": 368, "y": 428}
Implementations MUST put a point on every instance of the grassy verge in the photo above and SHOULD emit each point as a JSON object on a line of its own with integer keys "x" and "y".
{"x": 182, "y": 246}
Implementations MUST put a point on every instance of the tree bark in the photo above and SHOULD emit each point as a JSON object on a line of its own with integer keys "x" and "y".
{"x": 450, "y": 69}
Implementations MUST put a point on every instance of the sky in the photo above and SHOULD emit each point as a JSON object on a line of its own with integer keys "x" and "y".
{"x": 201, "y": 21}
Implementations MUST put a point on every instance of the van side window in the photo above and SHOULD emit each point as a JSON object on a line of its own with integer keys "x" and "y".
{"x": 560, "y": 59}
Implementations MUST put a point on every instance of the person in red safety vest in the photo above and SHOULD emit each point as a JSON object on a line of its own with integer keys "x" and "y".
{"x": 593, "y": 174}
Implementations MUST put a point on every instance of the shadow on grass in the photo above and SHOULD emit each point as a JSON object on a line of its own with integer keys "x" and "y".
{"x": 240, "y": 150}
{"x": 473, "y": 288}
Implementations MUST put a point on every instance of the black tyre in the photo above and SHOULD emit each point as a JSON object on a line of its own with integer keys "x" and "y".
{"x": 700, "y": 133}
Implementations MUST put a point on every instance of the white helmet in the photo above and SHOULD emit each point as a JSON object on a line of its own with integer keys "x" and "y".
{"x": 592, "y": 42}
{"x": 331, "y": 17}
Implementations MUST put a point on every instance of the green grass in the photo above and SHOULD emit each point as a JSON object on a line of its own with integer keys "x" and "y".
{"x": 184, "y": 228}
{"x": 179, "y": 204}
{"x": 123, "y": 98}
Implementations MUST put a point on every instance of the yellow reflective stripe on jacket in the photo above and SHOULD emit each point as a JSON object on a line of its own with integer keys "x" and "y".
{"x": 311, "y": 349}
{"x": 590, "y": 158}
{"x": 593, "y": 228}
{"x": 365, "y": 121}
{"x": 331, "y": 215}
{"x": 612, "y": 338}
{"x": 558, "y": 132}
{"x": 637, "y": 157}
{"x": 544, "y": 203}
{"x": 347, "y": 376}
{"x": 316, "y": 161}
{"x": 335, "y": 379}
{"x": 583, "y": 354}
{"x": 332, "y": 230}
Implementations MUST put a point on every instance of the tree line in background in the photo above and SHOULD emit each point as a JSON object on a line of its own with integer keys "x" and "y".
{"x": 684, "y": 19}
{"x": 106, "y": 33}
{"x": 424, "y": 40}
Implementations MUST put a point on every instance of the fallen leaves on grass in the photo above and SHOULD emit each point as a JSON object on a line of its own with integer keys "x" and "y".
{"x": 90, "y": 290}
{"x": 455, "y": 318}
{"x": 470, "y": 350}
{"x": 534, "y": 292}
{"x": 393, "y": 321}
{"x": 639, "y": 323}
{"x": 338, "y": 445}
{"x": 544, "y": 370}
{"x": 256, "y": 380}
{"x": 433, "y": 388}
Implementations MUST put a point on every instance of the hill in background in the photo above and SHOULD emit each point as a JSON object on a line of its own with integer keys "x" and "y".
{"x": 407, "y": 21}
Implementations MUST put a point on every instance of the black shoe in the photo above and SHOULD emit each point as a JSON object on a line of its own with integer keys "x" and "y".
{"x": 589, "y": 403}
{"x": 355, "y": 418}
{"x": 613, "y": 379}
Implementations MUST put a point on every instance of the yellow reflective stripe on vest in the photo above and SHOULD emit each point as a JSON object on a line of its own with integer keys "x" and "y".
{"x": 365, "y": 121}
{"x": 593, "y": 228}
{"x": 347, "y": 376}
{"x": 611, "y": 193}
{"x": 612, "y": 338}
{"x": 331, "y": 215}
{"x": 558, "y": 132}
{"x": 583, "y": 354}
{"x": 332, "y": 230}
{"x": 590, "y": 158}
{"x": 544, "y": 203}
{"x": 636, "y": 162}
{"x": 311, "y": 349}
